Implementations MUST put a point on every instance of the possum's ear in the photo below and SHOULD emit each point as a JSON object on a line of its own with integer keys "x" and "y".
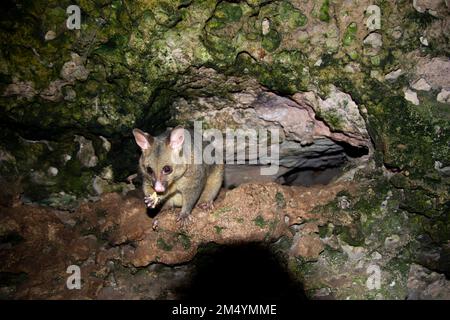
{"x": 176, "y": 138}
{"x": 143, "y": 139}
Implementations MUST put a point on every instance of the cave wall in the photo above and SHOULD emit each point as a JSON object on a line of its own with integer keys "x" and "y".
{"x": 70, "y": 98}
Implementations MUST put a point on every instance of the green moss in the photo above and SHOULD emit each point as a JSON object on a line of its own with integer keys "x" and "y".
{"x": 406, "y": 136}
{"x": 350, "y": 34}
{"x": 222, "y": 210}
{"x": 185, "y": 241}
{"x": 324, "y": 12}
{"x": 350, "y": 235}
{"x": 280, "y": 200}
{"x": 166, "y": 14}
{"x": 324, "y": 231}
{"x": 228, "y": 12}
{"x": 260, "y": 222}
{"x": 163, "y": 245}
{"x": 218, "y": 229}
{"x": 375, "y": 60}
{"x": 291, "y": 15}
{"x": 332, "y": 119}
{"x": 271, "y": 41}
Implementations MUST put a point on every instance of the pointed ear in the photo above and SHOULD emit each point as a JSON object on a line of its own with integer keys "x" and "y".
{"x": 176, "y": 138}
{"x": 143, "y": 139}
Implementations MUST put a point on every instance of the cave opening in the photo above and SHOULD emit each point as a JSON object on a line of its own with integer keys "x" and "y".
{"x": 249, "y": 271}
{"x": 322, "y": 171}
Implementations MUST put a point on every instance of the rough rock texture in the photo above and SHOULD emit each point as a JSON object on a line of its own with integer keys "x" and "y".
{"x": 103, "y": 237}
{"x": 332, "y": 239}
{"x": 427, "y": 285}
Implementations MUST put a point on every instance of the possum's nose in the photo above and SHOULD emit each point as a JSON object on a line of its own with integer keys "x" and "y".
{"x": 159, "y": 187}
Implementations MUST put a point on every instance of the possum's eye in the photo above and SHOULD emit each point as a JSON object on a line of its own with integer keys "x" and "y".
{"x": 149, "y": 170}
{"x": 167, "y": 169}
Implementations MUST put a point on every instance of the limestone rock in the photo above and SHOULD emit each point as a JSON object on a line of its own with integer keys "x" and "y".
{"x": 86, "y": 152}
{"x": 436, "y": 8}
{"x": 443, "y": 96}
{"x": 421, "y": 85}
{"x": 424, "y": 284}
{"x": 411, "y": 96}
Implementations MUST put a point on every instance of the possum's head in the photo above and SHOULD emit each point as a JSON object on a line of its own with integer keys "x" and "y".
{"x": 159, "y": 162}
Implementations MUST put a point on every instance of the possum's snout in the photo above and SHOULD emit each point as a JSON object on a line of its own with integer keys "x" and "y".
{"x": 159, "y": 187}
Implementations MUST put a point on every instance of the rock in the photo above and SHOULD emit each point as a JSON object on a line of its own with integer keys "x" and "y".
{"x": 265, "y": 26}
{"x": 352, "y": 67}
{"x": 376, "y": 255}
{"x": 392, "y": 242}
{"x": 435, "y": 71}
{"x": 307, "y": 246}
{"x": 52, "y": 171}
{"x": 50, "y": 35}
{"x": 86, "y": 152}
{"x": 393, "y": 75}
{"x": 70, "y": 94}
{"x": 424, "y": 284}
{"x": 353, "y": 253}
{"x": 239, "y": 215}
{"x": 23, "y": 89}
{"x": 423, "y": 41}
{"x": 374, "y": 40}
{"x": 332, "y": 109}
{"x": 74, "y": 70}
{"x": 107, "y": 173}
{"x": 344, "y": 203}
{"x": 411, "y": 96}
{"x": 106, "y": 144}
{"x": 306, "y": 140}
{"x": 421, "y": 85}
{"x": 53, "y": 91}
{"x": 397, "y": 33}
{"x": 437, "y": 8}
{"x": 443, "y": 96}
{"x": 444, "y": 170}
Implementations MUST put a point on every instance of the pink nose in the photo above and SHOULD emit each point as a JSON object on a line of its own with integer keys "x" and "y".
{"x": 159, "y": 187}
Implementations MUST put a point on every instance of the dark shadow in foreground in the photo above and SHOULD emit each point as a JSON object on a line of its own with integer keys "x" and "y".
{"x": 245, "y": 272}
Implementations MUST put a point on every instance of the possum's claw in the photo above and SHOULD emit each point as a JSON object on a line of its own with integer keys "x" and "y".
{"x": 155, "y": 224}
{"x": 151, "y": 201}
{"x": 184, "y": 219}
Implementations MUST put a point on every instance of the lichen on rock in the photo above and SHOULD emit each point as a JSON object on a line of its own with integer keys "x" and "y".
{"x": 365, "y": 101}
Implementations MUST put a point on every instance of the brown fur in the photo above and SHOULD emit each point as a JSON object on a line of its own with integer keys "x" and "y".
{"x": 187, "y": 184}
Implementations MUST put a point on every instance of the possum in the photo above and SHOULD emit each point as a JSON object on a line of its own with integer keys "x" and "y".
{"x": 173, "y": 184}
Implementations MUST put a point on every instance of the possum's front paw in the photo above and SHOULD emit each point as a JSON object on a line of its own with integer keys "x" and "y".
{"x": 184, "y": 219}
{"x": 151, "y": 201}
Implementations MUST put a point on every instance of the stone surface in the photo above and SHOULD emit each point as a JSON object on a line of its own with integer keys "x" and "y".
{"x": 424, "y": 284}
{"x": 421, "y": 85}
{"x": 288, "y": 64}
{"x": 116, "y": 231}
{"x": 443, "y": 96}
{"x": 411, "y": 96}
{"x": 434, "y": 7}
